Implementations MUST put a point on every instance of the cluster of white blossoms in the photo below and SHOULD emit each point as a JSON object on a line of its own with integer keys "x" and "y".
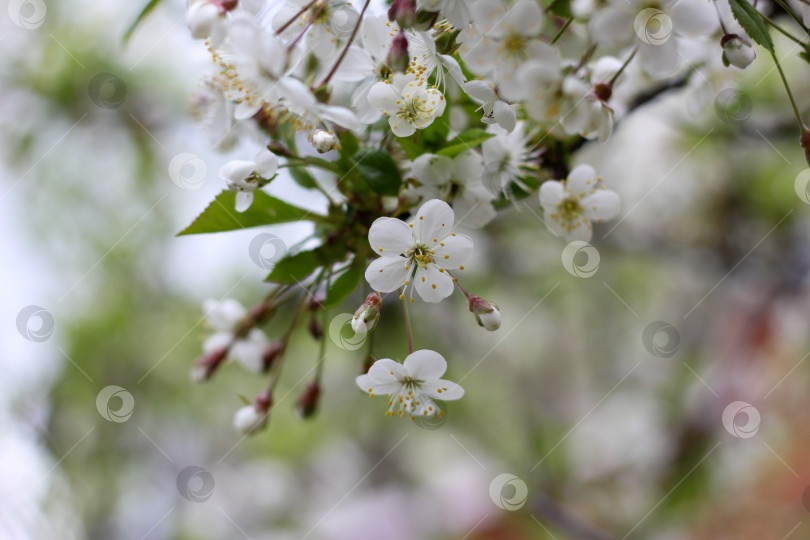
{"x": 432, "y": 116}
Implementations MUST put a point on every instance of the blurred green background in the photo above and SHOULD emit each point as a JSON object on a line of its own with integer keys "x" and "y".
{"x": 603, "y": 396}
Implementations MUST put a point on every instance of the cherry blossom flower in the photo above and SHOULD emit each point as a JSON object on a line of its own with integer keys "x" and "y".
{"x": 413, "y": 385}
{"x": 244, "y": 176}
{"x": 496, "y": 111}
{"x": 506, "y": 155}
{"x": 458, "y": 181}
{"x": 409, "y": 103}
{"x": 224, "y": 317}
{"x": 571, "y": 205}
{"x": 418, "y": 253}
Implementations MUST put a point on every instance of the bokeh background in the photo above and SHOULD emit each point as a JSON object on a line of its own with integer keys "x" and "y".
{"x": 664, "y": 396}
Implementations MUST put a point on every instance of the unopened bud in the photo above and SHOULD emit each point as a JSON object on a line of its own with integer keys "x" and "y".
{"x": 398, "y": 55}
{"x": 602, "y": 91}
{"x": 487, "y": 314}
{"x": 201, "y": 16}
{"x": 737, "y": 51}
{"x": 366, "y": 316}
{"x": 804, "y": 140}
{"x": 308, "y": 400}
{"x": 403, "y": 12}
{"x": 249, "y": 420}
{"x": 323, "y": 141}
{"x": 205, "y": 365}
{"x": 446, "y": 43}
{"x": 315, "y": 328}
{"x": 227, "y": 5}
{"x": 275, "y": 350}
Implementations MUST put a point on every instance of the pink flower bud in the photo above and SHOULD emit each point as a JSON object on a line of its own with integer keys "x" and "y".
{"x": 403, "y": 12}
{"x": 275, "y": 350}
{"x": 207, "y": 364}
{"x": 367, "y": 315}
{"x": 398, "y": 55}
{"x": 308, "y": 400}
{"x": 487, "y": 314}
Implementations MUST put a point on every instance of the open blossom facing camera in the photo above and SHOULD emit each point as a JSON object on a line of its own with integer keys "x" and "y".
{"x": 418, "y": 253}
{"x": 408, "y": 102}
{"x": 572, "y": 204}
{"x": 413, "y": 385}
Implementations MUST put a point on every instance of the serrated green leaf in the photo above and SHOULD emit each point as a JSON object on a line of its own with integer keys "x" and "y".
{"x": 467, "y": 140}
{"x": 294, "y": 268}
{"x": 152, "y": 4}
{"x": 751, "y": 21}
{"x": 221, "y": 215}
{"x": 346, "y": 283}
{"x": 378, "y": 169}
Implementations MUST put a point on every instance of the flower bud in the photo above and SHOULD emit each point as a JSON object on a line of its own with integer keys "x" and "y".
{"x": 367, "y": 315}
{"x": 315, "y": 328}
{"x": 398, "y": 55}
{"x": 201, "y": 16}
{"x": 737, "y": 51}
{"x": 308, "y": 400}
{"x": 804, "y": 140}
{"x": 602, "y": 91}
{"x": 275, "y": 350}
{"x": 205, "y": 365}
{"x": 403, "y": 12}
{"x": 487, "y": 314}
{"x": 323, "y": 141}
{"x": 249, "y": 420}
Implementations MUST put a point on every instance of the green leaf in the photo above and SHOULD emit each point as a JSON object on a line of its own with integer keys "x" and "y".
{"x": 412, "y": 149}
{"x": 561, "y": 8}
{"x": 346, "y": 283}
{"x": 750, "y": 19}
{"x": 152, "y": 4}
{"x": 302, "y": 177}
{"x": 467, "y": 140}
{"x": 221, "y": 214}
{"x": 378, "y": 169}
{"x": 294, "y": 268}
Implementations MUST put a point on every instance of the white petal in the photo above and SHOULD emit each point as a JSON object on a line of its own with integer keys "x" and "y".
{"x": 659, "y": 61}
{"x": 525, "y": 17}
{"x": 551, "y": 193}
{"x": 432, "y": 284}
{"x": 340, "y": 116}
{"x": 581, "y": 180}
{"x": 223, "y": 315}
{"x": 693, "y": 18}
{"x": 243, "y": 200}
{"x": 402, "y": 128}
{"x": 474, "y": 207}
{"x": 250, "y": 351}
{"x": 613, "y": 26}
{"x": 383, "y": 98}
{"x": 467, "y": 166}
{"x": 425, "y": 364}
{"x": 387, "y": 370}
{"x": 602, "y": 205}
{"x": 480, "y": 90}
{"x": 217, "y": 341}
{"x": 390, "y": 237}
{"x": 387, "y": 274}
{"x": 433, "y": 220}
{"x": 442, "y": 389}
{"x": 453, "y": 251}
{"x": 581, "y": 231}
{"x": 556, "y": 227}
{"x": 266, "y": 163}
{"x": 505, "y": 115}
{"x": 237, "y": 170}
{"x": 369, "y": 385}
{"x": 432, "y": 170}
